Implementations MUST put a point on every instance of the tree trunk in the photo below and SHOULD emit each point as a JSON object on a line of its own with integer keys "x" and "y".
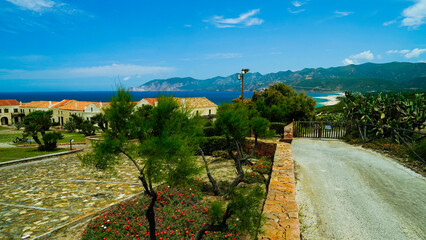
{"x": 150, "y": 215}
{"x": 36, "y": 139}
{"x": 216, "y": 189}
{"x": 211, "y": 227}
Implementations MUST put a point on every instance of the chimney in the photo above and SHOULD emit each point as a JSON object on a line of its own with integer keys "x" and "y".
{"x": 100, "y": 104}
{"x": 50, "y": 104}
{"x": 75, "y": 105}
{"x": 183, "y": 103}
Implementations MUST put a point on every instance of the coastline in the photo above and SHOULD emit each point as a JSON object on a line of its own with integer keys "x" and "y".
{"x": 331, "y": 100}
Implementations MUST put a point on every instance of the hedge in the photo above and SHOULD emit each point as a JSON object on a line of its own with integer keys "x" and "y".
{"x": 210, "y": 131}
{"x": 211, "y": 144}
{"x": 278, "y": 127}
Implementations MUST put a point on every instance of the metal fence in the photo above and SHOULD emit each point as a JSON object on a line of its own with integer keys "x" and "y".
{"x": 316, "y": 129}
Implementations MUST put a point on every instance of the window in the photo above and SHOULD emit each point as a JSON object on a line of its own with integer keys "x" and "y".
{"x": 210, "y": 112}
{"x": 6, "y": 110}
{"x": 0, "y": 110}
{"x": 91, "y": 109}
{"x": 29, "y": 110}
{"x": 15, "y": 110}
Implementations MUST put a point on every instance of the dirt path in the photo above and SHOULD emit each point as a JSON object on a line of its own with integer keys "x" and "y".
{"x": 346, "y": 192}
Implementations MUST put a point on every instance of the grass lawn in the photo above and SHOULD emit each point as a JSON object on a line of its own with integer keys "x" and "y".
{"x": 14, "y": 153}
{"x": 8, "y": 136}
{"x": 78, "y": 137}
{"x": 3, "y": 128}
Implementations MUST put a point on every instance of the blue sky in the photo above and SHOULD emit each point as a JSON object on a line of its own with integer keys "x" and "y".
{"x": 48, "y": 45}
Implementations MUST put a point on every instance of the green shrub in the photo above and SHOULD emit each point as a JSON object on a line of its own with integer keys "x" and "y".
{"x": 221, "y": 154}
{"x": 278, "y": 127}
{"x": 70, "y": 126}
{"x": 420, "y": 149}
{"x": 87, "y": 128}
{"x": 211, "y": 144}
{"x": 210, "y": 131}
{"x": 253, "y": 177}
{"x": 264, "y": 166}
{"x": 50, "y": 139}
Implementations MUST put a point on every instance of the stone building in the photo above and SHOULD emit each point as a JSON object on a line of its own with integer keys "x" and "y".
{"x": 10, "y": 112}
{"x": 198, "y": 105}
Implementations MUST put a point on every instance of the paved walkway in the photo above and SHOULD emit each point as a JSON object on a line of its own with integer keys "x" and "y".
{"x": 346, "y": 192}
{"x": 39, "y": 196}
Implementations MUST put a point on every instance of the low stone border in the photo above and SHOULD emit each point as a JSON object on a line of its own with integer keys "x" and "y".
{"x": 85, "y": 218}
{"x": 280, "y": 206}
{"x": 59, "y": 144}
{"x": 31, "y": 159}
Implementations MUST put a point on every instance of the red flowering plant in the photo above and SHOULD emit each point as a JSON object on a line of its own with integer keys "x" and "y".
{"x": 179, "y": 215}
{"x": 263, "y": 166}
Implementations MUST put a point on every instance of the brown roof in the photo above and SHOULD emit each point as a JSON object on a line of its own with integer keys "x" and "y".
{"x": 197, "y": 102}
{"x": 151, "y": 101}
{"x": 9, "y": 102}
{"x": 75, "y": 105}
{"x": 38, "y": 104}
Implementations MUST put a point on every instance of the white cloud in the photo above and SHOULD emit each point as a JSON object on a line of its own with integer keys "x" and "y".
{"x": 389, "y": 23}
{"x": 414, "y": 15}
{"x": 366, "y": 55}
{"x": 223, "y": 55}
{"x": 415, "y": 53}
{"x": 408, "y": 53}
{"x": 34, "y": 5}
{"x": 41, "y": 6}
{"x": 297, "y": 3}
{"x": 295, "y": 11}
{"x": 355, "y": 59}
{"x": 127, "y": 78}
{"x": 187, "y": 25}
{"x": 348, "y": 61}
{"x": 245, "y": 19}
{"x": 342, "y": 14}
{"x": 85, "y": 72}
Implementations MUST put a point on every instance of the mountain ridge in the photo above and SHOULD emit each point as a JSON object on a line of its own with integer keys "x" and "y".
{"x": 391, "y": 76}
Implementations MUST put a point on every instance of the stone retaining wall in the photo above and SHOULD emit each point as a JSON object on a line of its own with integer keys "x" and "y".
{"x": 280, "y": 206}
{"x": 264, "y": 148}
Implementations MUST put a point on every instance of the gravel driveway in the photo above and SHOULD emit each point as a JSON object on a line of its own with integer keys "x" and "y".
{"x": 346, "y": 192}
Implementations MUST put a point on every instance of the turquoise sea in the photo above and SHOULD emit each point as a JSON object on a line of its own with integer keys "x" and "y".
{"x": 217, "y": 97}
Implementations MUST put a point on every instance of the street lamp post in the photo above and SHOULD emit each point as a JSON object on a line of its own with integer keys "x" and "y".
{"x": 241, "y": 77}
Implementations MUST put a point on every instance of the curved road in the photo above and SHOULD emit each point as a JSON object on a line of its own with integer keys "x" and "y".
{"x": 346, "y": 192}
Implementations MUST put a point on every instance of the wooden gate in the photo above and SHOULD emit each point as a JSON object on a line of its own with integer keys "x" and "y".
{"x": 313, "y": 129}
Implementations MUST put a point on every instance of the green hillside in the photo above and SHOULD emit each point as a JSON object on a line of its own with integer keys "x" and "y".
{"x": 394, "y": 76}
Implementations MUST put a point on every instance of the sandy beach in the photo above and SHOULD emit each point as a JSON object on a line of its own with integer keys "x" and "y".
{"x": 332, "y": 99}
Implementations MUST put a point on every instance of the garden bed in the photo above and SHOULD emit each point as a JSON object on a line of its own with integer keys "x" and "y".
{"x": 180, "y": 211}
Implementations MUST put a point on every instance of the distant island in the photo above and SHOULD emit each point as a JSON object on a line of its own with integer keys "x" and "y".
{"x": 394, "y": 76}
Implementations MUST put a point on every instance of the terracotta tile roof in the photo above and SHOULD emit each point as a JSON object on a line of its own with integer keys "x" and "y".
{"x": 61, "y": 103}
{"x": 151, "y": 101}
{"x": 74, "y": 105}
{"x": 197, "y": 102}
{"x": 9, "y": 102}
{"x": 39, "y": 104}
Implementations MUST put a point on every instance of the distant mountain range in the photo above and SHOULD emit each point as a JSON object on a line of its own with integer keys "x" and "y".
{"x": 394, "y": 76}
